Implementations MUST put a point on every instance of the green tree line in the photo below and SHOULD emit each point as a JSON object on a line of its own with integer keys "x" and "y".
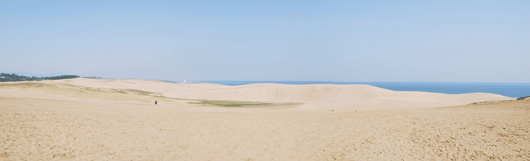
{"x": 6, "y": 77}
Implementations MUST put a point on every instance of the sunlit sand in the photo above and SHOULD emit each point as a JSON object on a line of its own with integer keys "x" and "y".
{"x": 100, "y": 119}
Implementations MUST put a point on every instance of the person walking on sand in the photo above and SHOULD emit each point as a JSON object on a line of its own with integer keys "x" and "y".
{"x": 155, "y": 102}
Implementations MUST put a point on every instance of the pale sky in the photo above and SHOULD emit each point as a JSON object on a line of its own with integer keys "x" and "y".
{"x": 358, "y": 41}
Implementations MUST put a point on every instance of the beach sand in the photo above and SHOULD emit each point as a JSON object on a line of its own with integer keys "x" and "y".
{"x": 90, "y": 119}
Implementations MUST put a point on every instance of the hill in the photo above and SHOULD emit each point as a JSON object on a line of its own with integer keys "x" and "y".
{"x": 6, "y": 77}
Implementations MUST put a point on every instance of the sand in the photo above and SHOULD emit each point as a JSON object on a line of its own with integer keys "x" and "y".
{"x": 69, "y": 123}
{"x": 313, "y": 97}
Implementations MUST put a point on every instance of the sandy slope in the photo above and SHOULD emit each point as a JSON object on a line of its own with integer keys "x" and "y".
{"x": 39, "y": 126}
{"x": 43, "y": 123}
{"x": 314, "y": 97}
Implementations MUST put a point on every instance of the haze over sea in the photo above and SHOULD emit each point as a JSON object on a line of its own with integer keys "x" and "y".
{"x": 505, "y": 89}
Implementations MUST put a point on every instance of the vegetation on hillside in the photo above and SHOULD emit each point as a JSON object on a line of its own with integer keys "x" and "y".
{"x": 520, "y": 98}
{"x": 523, "y": 98}
{"x": 6, "y": 77}
{"x": 474, "y": 103}
{"x": 228, "y": 103}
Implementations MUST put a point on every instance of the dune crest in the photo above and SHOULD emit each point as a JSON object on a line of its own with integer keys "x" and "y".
{"x": 314, "y": 97}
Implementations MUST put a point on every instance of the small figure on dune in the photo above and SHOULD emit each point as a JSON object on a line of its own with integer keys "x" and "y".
{"x": 155, "y": 102}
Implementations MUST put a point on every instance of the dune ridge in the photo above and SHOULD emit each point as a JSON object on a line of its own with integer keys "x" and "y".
{"x": 313, "y": 97}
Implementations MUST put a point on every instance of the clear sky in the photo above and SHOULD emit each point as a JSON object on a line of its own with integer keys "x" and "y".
{"x": 411, "y": 41}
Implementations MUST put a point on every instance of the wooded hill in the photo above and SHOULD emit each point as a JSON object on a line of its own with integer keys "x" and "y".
{"x": 6, "y": 77}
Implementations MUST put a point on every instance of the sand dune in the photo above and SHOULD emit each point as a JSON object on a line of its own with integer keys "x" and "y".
{"x": 85, "y": 119}
{"x": 314, "y": 97}
{"x": 52, "y": 127}
{"x": 338, "y": 97}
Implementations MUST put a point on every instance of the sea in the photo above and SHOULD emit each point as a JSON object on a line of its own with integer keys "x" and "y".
{"x": 514, "y": 90}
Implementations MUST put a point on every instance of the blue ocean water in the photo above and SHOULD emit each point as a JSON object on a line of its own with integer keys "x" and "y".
{"x": 507, "y": 89}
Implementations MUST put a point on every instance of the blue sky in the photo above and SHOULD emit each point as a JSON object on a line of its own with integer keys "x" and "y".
{"x": 381, "y": 41}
